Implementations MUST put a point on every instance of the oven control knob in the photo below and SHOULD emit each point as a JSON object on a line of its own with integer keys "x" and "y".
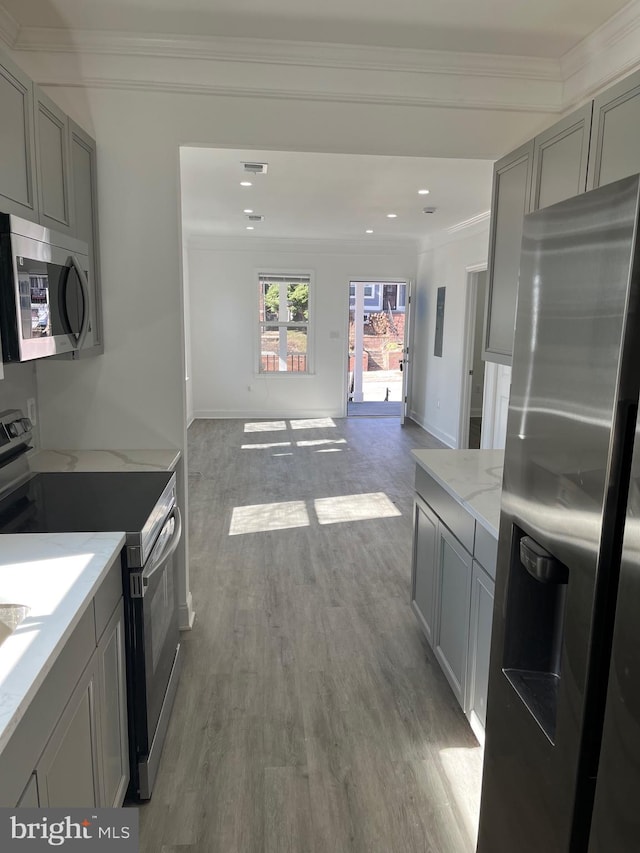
{"x": 15, "y": 429}
{"x": 26, "y": 423}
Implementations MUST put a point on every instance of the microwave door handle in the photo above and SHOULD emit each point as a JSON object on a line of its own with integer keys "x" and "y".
{"x": 163, "y": 556}
{"x": 78, "y": 339}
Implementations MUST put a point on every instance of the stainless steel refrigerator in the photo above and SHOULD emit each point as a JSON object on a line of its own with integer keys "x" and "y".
{"x": 562, "y": 751}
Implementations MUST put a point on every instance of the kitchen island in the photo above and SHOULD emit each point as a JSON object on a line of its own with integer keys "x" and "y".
{"x": 455, "y": 542}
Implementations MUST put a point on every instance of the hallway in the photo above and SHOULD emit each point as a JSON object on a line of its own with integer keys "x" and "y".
{"x": 311, "y": 717}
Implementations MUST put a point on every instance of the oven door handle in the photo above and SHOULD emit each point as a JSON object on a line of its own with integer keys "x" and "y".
{"x": 157, "y": 560}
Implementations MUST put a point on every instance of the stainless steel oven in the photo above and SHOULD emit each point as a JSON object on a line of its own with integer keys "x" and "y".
{"x": 153, "y": 640}
{"x": 143, "y": 504}
{"x": 46, "y": 305}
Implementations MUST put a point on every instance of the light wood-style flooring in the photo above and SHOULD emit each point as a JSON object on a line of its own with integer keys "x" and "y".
{"x": 311, "y": 716}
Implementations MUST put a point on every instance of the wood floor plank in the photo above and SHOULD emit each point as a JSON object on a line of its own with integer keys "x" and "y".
{"x": 311, "y": 716}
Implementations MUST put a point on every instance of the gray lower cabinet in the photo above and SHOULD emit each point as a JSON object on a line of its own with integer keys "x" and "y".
{"x": 482, "y": 596}
{"x": 71, "y": 746}
{"x": 112, "y": 719}
{"x": 452, "y": 625}
{"x": 615, "y": 152}
{"x": 52, "y": 161}
{"x": 29, "y": 798}
{"x": 68, "y": 770}
{"x": 423, "y": 595}
{"x": 452, "y": 593}
{"x": 17, "y": 147}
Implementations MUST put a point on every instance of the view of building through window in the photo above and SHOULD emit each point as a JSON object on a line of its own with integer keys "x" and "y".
{"x": 284, "y": 323}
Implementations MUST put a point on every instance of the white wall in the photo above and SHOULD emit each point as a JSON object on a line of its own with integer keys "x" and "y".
{"x": 436, "y": 381}
{"x": 223, "y": 299}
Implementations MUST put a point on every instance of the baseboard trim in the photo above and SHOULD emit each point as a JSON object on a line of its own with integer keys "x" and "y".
{"x": 444, "y": 437}
{"x": 186, "y": 614}
{"x": 207, "y": 414}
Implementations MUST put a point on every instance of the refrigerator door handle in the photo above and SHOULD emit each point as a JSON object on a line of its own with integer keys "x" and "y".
{"x": 540, "y": 564}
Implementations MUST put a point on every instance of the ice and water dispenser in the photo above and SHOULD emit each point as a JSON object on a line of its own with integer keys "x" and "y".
{"x": 534, "y": 627}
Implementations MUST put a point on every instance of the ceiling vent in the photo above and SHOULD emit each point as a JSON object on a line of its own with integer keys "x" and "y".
{"x": 428, "y": 209}
{"x": 254, "y": 217}
{"x": 255, "y": 168}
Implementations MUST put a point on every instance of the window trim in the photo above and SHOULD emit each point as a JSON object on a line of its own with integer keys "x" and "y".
{"x": 266, "y": 272}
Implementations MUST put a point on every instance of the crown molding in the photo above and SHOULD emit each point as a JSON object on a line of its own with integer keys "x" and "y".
{"x": 9, "y": 28}
{"x": 469, "y": 223}
{"x": 281, "y": 52}
{"x": 604, "y": 56}
{"x": 211, "y": 242}
{"x": 459, "y": 101}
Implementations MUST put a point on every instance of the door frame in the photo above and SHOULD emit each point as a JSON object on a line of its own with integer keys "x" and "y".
{"x": 408, "y": 333}
{"x": 466, "y": 380}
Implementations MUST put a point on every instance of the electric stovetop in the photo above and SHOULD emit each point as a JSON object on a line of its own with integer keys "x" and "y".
{"x": 83, "y": 502}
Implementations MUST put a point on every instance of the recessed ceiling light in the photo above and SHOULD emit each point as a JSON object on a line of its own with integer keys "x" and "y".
{"x": 246, "y": 184}
{"x": 369, "y": 231}
{"x": 247, "y": 210}
{"x": 423, "y": 192}
{"x": 250, "y": 228}
{"x": 392, "y": 215}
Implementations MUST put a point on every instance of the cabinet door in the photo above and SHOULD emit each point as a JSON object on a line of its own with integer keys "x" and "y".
{"x": 29, "y": 798}
{"x": 52, "y": 158}
{"x": 510, "y": 202}
{"x": 482, "y": 595}
{"x": 560, "y": 157}
{"x": 67, "y": 772}
{"x": 423, "y": 594}
{"x": 17, "y": 164}
{"x": 113, "y": 741}
{"x": 452, "y": 620}
{"x": 84, "y": 224}
{"x": 615, "y": 152}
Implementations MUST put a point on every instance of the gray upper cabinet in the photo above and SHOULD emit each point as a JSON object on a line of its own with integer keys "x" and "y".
{"x": 52, "y": 159}
{"x": 560, "y": 158}
{"x": 17, "y": 161}
{"x": 84, "y": 223}
{"x": 615, "y": 152}
{"x": 510, "y": 201}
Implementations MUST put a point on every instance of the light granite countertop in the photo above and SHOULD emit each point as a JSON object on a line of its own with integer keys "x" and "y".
{"x": 472, "y": 477}
{"x": 56, "y": 575}
{"x": 104, "y": 460}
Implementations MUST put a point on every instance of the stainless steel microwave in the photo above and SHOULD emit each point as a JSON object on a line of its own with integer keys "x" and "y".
{"x": 45, "y": 297}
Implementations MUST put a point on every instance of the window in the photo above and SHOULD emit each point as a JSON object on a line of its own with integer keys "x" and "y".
{"x": 284, "y": 323}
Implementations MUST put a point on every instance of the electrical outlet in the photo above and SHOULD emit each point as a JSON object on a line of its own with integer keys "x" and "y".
{"x": 31, "y": 410}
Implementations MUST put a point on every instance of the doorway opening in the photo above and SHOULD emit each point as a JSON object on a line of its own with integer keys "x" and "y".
{"x": 473, "y": 372}
{"x": 378, "y": 329}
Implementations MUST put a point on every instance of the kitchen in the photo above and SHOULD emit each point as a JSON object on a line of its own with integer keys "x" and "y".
{"x": 134, "y": 396}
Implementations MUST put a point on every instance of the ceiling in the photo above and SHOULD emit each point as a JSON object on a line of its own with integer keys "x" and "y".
{"x": 545, "y": 28}
{"x": 329, "y": 196}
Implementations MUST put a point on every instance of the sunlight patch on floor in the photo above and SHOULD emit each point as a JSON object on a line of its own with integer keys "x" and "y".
{"x": 354, "y": 508}
{"x": 312, "y": 423}
{"x": 459, "y": 764}
{"x": 266, "y": 446}
{"x": 317, "y": 441}
{"x": 261, "y": 518}
{"x": 265, "y": 426}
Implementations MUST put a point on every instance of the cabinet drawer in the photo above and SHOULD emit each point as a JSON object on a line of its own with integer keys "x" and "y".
{"x": 454, "y": 516}
{"x": 107, "y": 598}
{"x": 486, "y": 550}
